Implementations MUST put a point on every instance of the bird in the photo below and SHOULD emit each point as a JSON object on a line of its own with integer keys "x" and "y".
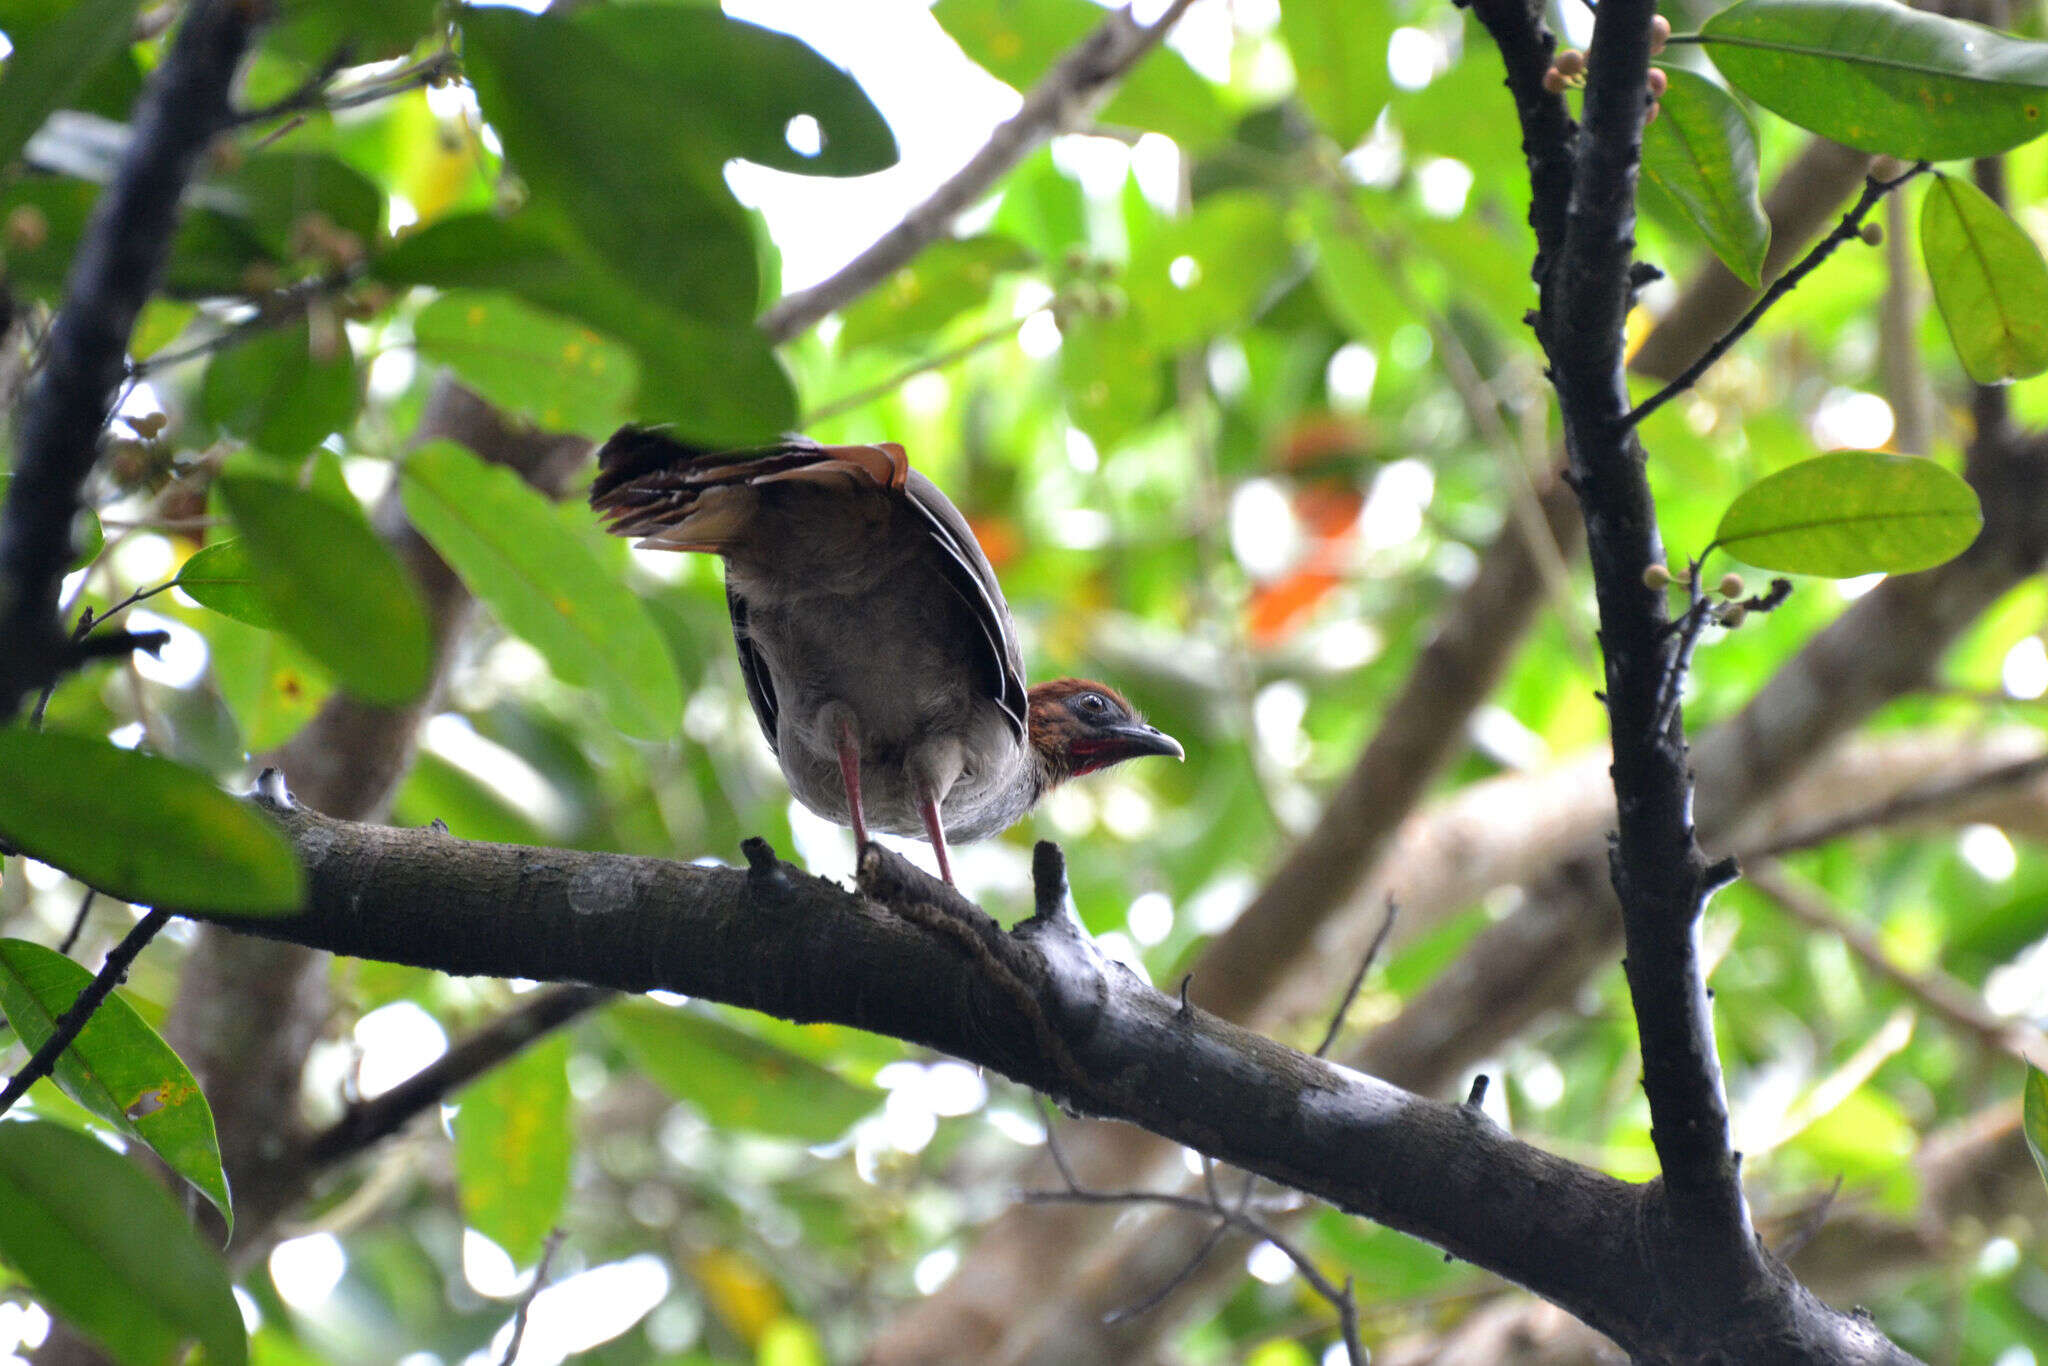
{"x": 876, "y": 648}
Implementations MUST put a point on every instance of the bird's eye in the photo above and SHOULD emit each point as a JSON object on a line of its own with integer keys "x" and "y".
{"x": 1094, "y": 703}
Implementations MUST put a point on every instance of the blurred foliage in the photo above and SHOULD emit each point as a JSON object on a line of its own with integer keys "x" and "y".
{"x": 1235, "y": 389}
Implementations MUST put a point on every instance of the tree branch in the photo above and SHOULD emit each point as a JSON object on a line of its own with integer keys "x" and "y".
{"x": 119, "y": 259}
{"x": 1065, "y": 98}
{"x": 911, "y": 959}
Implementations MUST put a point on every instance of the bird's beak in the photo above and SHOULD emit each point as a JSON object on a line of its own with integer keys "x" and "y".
{"x": 1134, "y": 738}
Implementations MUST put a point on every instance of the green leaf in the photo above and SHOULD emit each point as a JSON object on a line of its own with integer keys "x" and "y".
{"x": 118, "y": 1067}
{"x": 1017, "y": 42}
{"x": 559, "y": 373}
{"x": 945, "y": 280}
{"x": 220, "y": 576}
{"x": 512, "y": 1148}
{"x": 1339, "y": 51}
{"x": 1702, "y": 152}
{"x": 274, "y": 393}
{"x": 712, "y": 383}
{"x": 1990, "y": 282}
{"x": 50, "y": 63}
{"x": 273, "y": 194}
{"x": 1850, "y": 513}
{"x": 333, "y": 585}
{"x": 1205, "y": 273}
{"x": 371, "y": 30}
{"x": 1350, "y": 276}
{"x": 620, "y": 119}
{"x": 269, "y": 683}
{"x": 1884, "y": 77}
{"x": 2034, "y": 1118}
{"x": 140, "y": 827}
{"x": 107, "y": 1249}
{"x": 544, "y": 584}
{"x": 735, "y": 1080}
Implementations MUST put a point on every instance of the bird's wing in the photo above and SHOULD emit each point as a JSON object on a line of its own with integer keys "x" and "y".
{"x": 760, "y": 687}
{"x": 969, "y": 574}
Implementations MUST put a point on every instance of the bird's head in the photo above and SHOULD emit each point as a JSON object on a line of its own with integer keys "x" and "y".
{"x": 1079, "y": 726}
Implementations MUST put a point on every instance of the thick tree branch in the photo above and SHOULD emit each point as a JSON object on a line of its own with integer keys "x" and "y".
{"x": 1064, "y": 98}
{"x": 120, "y": 257}
{"x": 912, "y": 960}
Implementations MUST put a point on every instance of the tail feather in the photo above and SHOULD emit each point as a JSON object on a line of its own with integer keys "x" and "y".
{"x": 682, "y": 497}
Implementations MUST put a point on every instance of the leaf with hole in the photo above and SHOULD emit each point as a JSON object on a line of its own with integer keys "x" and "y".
{"x": 1850, "y": 513}
{"x": 118, "y": 1067}
{"x": 1989, "y": 280}
{"x": 1884, "y": 77}
{"x": 545, "y": 584}
{"x": 332, "y": 585}
{"x": 140, "y": 827}
{"x": 109, "y": 1250}
{"x": 1701, "y": 152}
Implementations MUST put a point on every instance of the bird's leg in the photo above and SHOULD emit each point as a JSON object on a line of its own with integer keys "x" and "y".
{"x": 935, "y": 831}
{"x": 849, "y": 773}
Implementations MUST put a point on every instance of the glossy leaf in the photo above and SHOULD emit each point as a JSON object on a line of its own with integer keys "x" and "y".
{"x": 559, "y": 373}
{"x": 712, "y": 383}
{"x": 1017, "y": 42}
{"x": 1990, "y": 282}
{"x": 331, "y": 583}
{"x": 733, "y": 1079}
{"x": 1884, "y": 77}
{"x": 50, "y": 62}
{"x": 1850, "y": 513}
{"x": 512, "y": 1148}
{"x": 545, "y": 585}
{"x": 276, "y": 394}
{"x": 2034, "y": 1118}
{"x": 620, "y": 119}
{"x": 140, "y": 827}
{"x": 108, "y": 1249}
{"x": 1701, "y": 152}
{"x": 1339, "y": 52}
{"x": 118, "y": 1067}
{"x": 220, "y": 576}
{"x": 945, "y": 280}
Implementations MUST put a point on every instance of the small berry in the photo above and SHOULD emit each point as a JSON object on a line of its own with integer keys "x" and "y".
{"x": 1732, "y": 615}
{"x": 1730, "y": 586}
{"x": 1570, "y": 62}
{"x": 1554, "y": 81}
{"x": 1659, "y": 83}
{"x": 1660, "y": 34}
{"x": 1657, "y": 576}
{"x": 1871, "y": 233}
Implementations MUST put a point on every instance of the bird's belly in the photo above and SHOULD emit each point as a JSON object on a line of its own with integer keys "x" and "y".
{"x": 990, "y": 794}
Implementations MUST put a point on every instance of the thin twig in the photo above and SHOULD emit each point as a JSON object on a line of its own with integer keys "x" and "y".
{"x": 1874, "y": 189}
{"x": 1064, "y": 98}
{"x": 74, "y": 1019}
{"x": 1904, "y": 806}
{"x": 86, "y": 648}
{"x": 1935, "y": 991}
{"x": 367, "y": 1121}
{"x": 1227, "y": 1218}
{"x": 286, "y": 305}
{"x": 540, "y": 1280}
{"x": 315, "y": 95}
{"x": 1372, "y": 951}
{"x": 78, "y": 922}
{"x": 882, "y": 388}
